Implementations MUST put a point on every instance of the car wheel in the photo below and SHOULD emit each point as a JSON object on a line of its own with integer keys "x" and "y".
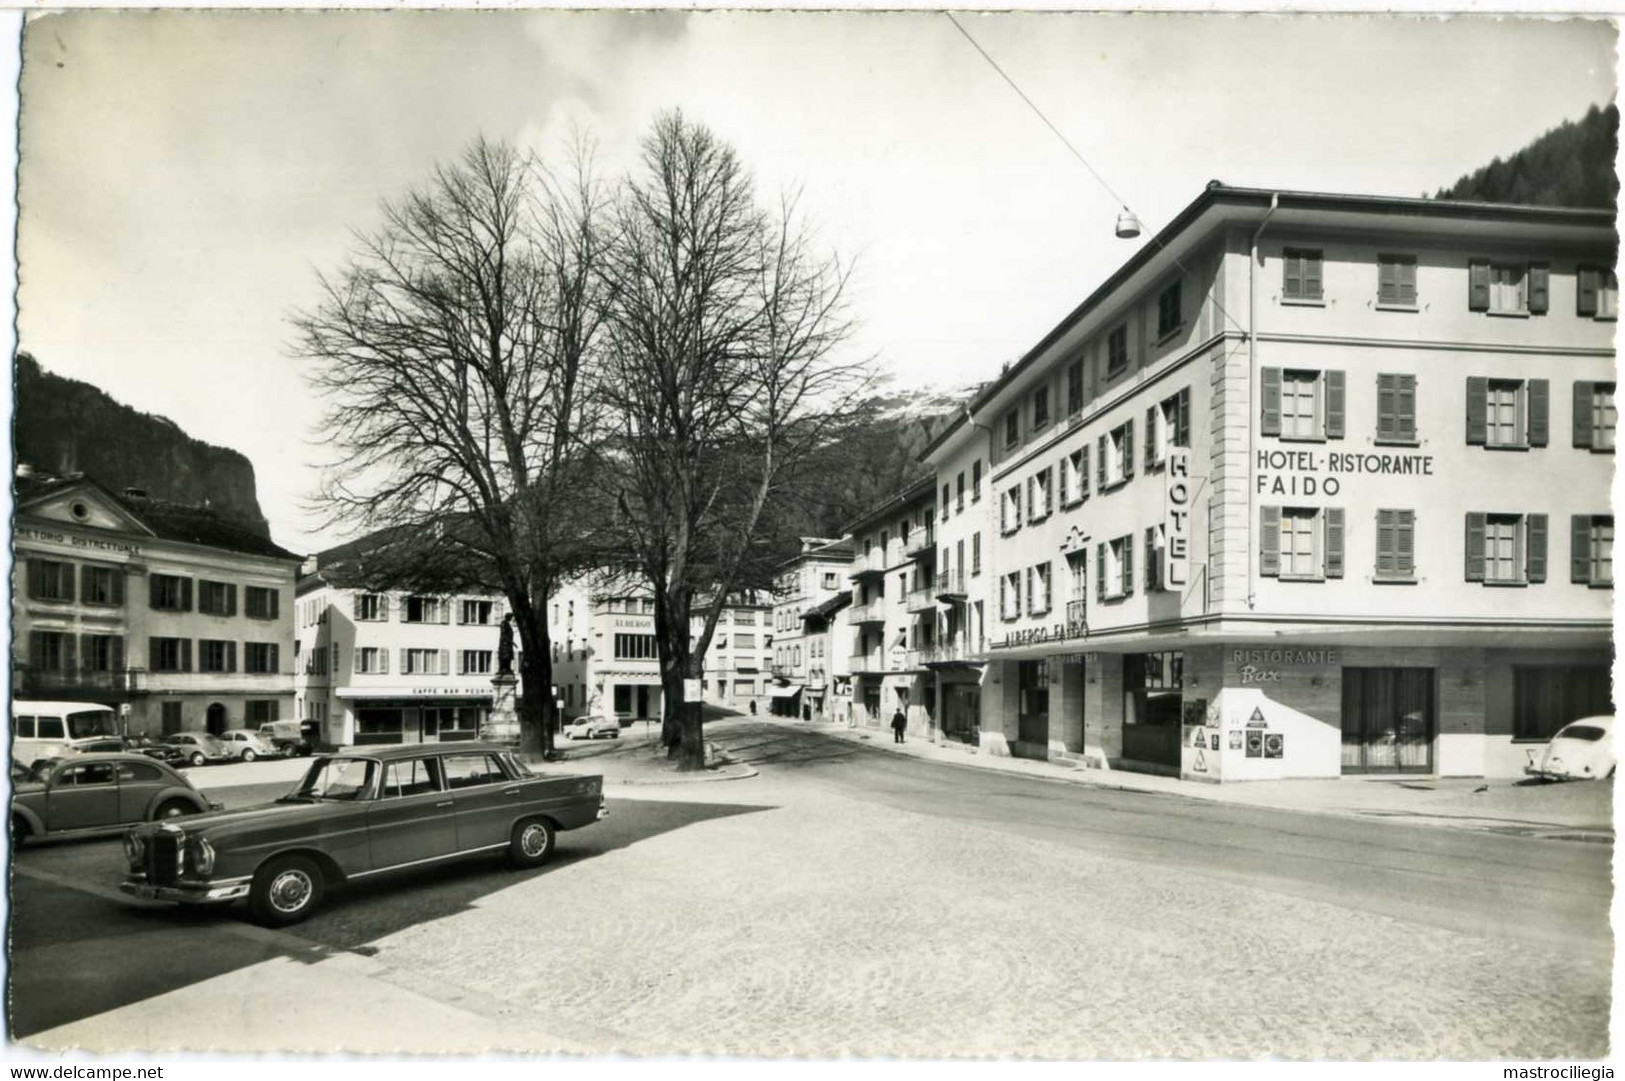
{"x": 532, "y": 842}
{"x": 196, "y": 758}
{"x": 173, "y": 808}
{"x": 285, "y": 890}
{"x": 249, "y": 755}
{"x": 19, "y": 831}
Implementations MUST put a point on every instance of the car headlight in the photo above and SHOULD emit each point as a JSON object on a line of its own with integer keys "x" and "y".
{"x": 135, "y": 849}
{"x": 202, "y": 856}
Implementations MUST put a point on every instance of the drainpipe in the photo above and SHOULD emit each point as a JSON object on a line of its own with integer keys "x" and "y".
{"x": 1252, "y": 384}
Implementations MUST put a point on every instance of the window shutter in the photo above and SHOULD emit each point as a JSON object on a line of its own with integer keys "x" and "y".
{"x": 1083, "y": 471}
{"x": 1183, "y": 439}
{"x": 276, "y": 659}
{"x": 1405, "y": 408}
{"x": 1405, "y": 539}
{"x": 1583, "y": 394}
{"x": 85, "y": 573}
{"x": 231, "y": 656}
{"x": 383, "y": 662}
{"x": 117, "y": 652}
{"x": 1032, "y": 498}
{"x": 1100, "y": 465}
{"x": 118, "y": 585}
{"x": 1016, "y": 509}
{"x": 231, "y": 599}
{"x": 1311, "y": 275}
{"x": 1128, "y": 565}
{"x": 355, "y": 660}
{"x": 1580, "y": 548}
{"x": 1269, "y": 542}
{"x": 186, "y": 652}
{"x": 445, "y": 610}
{"x": 1406, "y": 274}
{"x": 1586, "y": 300}
{"x": 186, "y": 597}
{"x": 1335, "y": 397}
{"x": 1387, "y": 408}
{"x": 1387, "y": 281}
{"x": 462, "y": 662}
{"x": 445, "y": 662}
{"x": 1150, "y": 438}
{"x": 1271, "y": 418}
{"x": 1478, "y": 285}
{"x": 70, "y": 652}
{"x": 152, "y": 591}
{"x": 1539, "y": 288}
{"x": 1292, "y": 281}
{"x": 86, "y": 649}
{"x": 152, "y": 654}
{"x": 355, "y": 606}
{"x": 383, "y": 606}
{"x": 1334, "y": 542}
{"x": 1475, "y": 548}
{"x": 406, "y": 664}
{"x": 1387, "y": 545}
{"x": 1128, "y": 449}
{"x": 275, "y": 597}
{"x": 1535, "y": 524}
{"x": 1100, "y": 572}
{"x": 1478, "y": 389}
{"x": 1539, "y": 409}
{"x": 1031, "y": 574}
{"x": 1150, "y": 558}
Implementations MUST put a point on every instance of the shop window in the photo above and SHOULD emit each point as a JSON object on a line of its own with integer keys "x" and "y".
{"x": 378, "y": 726}
{"x": 1598, "y": 293}
{"x": 1300, "y": 274}
{"x": 1301, "y": 543}
{"x": 1545, "y": 698}
{"x": 1396, "y": 281}
{"x": 1595, "y": 418}
{"x": 1032, "y": 690}
{"x": 1114, "y": 457}
{"x": 1506, "y": 549}
{"x": 1396, "y": 408}
{"x": 1302, "y": 403}
{"x": 1591, "y": 549}
{"x": 1396, "y": 546}
{"x": 1114, "y": 569}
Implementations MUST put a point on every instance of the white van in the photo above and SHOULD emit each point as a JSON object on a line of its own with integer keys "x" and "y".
{"x": 51, "y": 729}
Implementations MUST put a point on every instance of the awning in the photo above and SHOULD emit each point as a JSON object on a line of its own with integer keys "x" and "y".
{"x": 784, "y": 692}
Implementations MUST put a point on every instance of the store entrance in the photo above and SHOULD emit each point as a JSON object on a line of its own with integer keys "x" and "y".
{"x": 1388, "y": 720}
{"x": 1153, "y": 700}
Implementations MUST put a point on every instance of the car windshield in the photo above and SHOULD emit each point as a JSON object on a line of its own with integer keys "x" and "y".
{"x": 1588, "y": 732}
{"x": 337, "y": 779}
{"x": 87, "y": 724}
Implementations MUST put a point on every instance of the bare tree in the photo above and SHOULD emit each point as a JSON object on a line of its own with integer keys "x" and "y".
{"x": 456, "y": 352}
{"x": 723, "y": 381}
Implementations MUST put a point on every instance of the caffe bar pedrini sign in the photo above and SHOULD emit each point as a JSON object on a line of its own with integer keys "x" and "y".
{"x": 1311, "y": 472}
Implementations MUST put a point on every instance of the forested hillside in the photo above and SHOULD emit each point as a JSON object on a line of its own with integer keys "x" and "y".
{"x": 1571, "y": 165}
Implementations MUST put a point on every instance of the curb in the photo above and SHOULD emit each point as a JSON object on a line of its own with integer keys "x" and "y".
{"x": 730, "y": 771}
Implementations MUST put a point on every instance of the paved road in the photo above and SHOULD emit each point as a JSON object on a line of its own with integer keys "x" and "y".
{"x": 851, "y": 901}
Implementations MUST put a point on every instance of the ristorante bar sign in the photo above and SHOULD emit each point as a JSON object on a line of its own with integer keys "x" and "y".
{"x": 1307, "y": 472}
{"x": 1029, "y": 636}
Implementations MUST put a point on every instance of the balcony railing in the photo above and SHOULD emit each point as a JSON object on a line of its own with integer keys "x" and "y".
{"x": 921, "y": 542}
{"x": 34, "y": 681}
{"x": 873, "y": 612}
{"x": 866, "y": 662}
{"x": 923, "y": 599}
{"x": 1076, "y": 611}
{"x": 951, "y": 586}
{"x": 955, "y": 649}
{"x": 868, "y": 563}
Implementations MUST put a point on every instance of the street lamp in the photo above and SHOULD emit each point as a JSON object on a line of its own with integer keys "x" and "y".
{"x": 1128, "y": 226}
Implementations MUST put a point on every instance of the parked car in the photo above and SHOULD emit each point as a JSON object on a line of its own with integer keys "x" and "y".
{"x": 355, "y": 815}
{"x": 91, "y": 793}
{"x": 168, "y": 753}
{"x": 291, "y": 737}
{"x": 245, "y": 745}
{"x": 199, "y": 747}
{"x": 1582, "y": 750}
{"x": 592, "y": 728}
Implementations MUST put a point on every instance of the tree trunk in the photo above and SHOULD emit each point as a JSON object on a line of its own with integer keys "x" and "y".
{"x": 536, "y": 706}
{"x": 682, "y": 725}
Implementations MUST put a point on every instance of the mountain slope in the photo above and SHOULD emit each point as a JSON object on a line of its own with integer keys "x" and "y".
{"x": 1571, "y": 165}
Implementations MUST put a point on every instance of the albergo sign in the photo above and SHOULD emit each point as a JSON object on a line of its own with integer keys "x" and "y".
{"x": 1176, "y": 526}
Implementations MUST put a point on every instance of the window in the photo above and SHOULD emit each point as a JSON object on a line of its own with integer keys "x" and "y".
{"x": 976, "y": 481}
{"x": 1591, "y": 548}
{"x": 52, "y": 651}
{"x": 1074, "y": 388}
{"x": 170, "y": 717}
{"x": 1167, "y": 424}
{"x": 976, "y": 554}
{"x": 374, "y": 608}
{"x": 744, "y": 641}
{"x": 424, "y": 662}
{"x": 1506, "y": 549}
{"x": 260, "y": 602}
{"x": 1040, "y": 491}
{"x": 101, "y": 652}
{"x": 216, "y": 598}
{"x": 1595, "y": 418}
{"x": 1598, "y": 293}
{"x": 1114, "y": 568}
{"x": 945, "y": 508}
{"x": 1041, "y": 408}
{"x": 1396, "y": 408}
{"x": 1038, "y": 589}
{"x": 1507, "y": 412}
{"x": 1169, "y": 316}
{"x": 1396, "y": 281}
{"x": 1153, "y": 564}
{"x": 1507, "y": 288}
{"x": 169, "y": 654}
{"x": 1075, "y": 477}
{"x": 49, "y": 580}
{"x": 1396, "y": 546}
{"x": 1010, "y": 510}
{"x": 478, "y": 612}
{"x": 216, "y": 656}
{"x": 1117, "y": 351}
{"x": 257, "y": 711}
{"x": 426, "y": 610}
{"x": 261, "y": 658}
{"x": 415, "y": 777}
{"x": 635, "y": 647}
{"x": 1012, "y": 428}
{"x": 476, "y": 662}
{"x": 1303, "y": 403}
{"x": 1545, "y": 699}
{"x": 1114, "y": 464}
{"x": 101, "y": 585}
{"x": 1300, "y": 274}
{"x": 1010, "y": 595}
{"x": 1303, "y": 543}
{"x": 371, "y": 660}
{"x": 168, "y": 592}
{"x": 959, "y": 493}
{"x": 472, "y": 770}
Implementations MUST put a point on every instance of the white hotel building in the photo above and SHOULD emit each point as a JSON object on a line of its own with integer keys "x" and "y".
{"x": 1314, "y": 484}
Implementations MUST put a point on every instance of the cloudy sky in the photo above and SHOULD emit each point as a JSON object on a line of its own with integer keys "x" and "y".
{"x": 185, "y": 175}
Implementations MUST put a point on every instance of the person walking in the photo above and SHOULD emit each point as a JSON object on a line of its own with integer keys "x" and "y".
{"x": 899, "y": 721}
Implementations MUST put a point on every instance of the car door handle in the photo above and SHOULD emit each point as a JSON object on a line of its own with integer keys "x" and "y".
{"x": 444, "y": 803}
{"x": 510, "y": 791}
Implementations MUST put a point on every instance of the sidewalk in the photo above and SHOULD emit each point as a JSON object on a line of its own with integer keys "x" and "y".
{"x": 1581, "y": 810}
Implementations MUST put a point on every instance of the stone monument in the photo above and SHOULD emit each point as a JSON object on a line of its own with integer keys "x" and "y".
{"x": 502, "y": 725}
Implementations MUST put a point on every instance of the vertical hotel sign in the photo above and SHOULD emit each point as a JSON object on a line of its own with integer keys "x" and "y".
{"x": 1176, "y": 526}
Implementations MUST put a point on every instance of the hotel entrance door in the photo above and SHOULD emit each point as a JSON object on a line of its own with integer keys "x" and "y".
{"x": 1388, "y": 720}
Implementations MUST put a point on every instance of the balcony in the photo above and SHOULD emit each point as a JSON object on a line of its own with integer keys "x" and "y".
{"x": 1076, "y": 613}
{"x": 870, "y": 564}
{"x": 866, "y": 663}
{"x": 780, "y": 671}
{"x": 75, "y": 682}
{"x": 873, "y": 612}
{"x": 953, "y": 651}
{"x": 951, "y": 587}
{"x": 922, "y": 542}
{"x": 922, "y": 599}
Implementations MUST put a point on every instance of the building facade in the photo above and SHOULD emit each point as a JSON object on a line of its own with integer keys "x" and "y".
{"x": 176, "y": 613}
{"x": 829, "y": 660}
{"x": 804, "y": 581}
{"x": 1278, "y": 499}
{"x": 739, "y": 661}
{"x": 893, "y": 614}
